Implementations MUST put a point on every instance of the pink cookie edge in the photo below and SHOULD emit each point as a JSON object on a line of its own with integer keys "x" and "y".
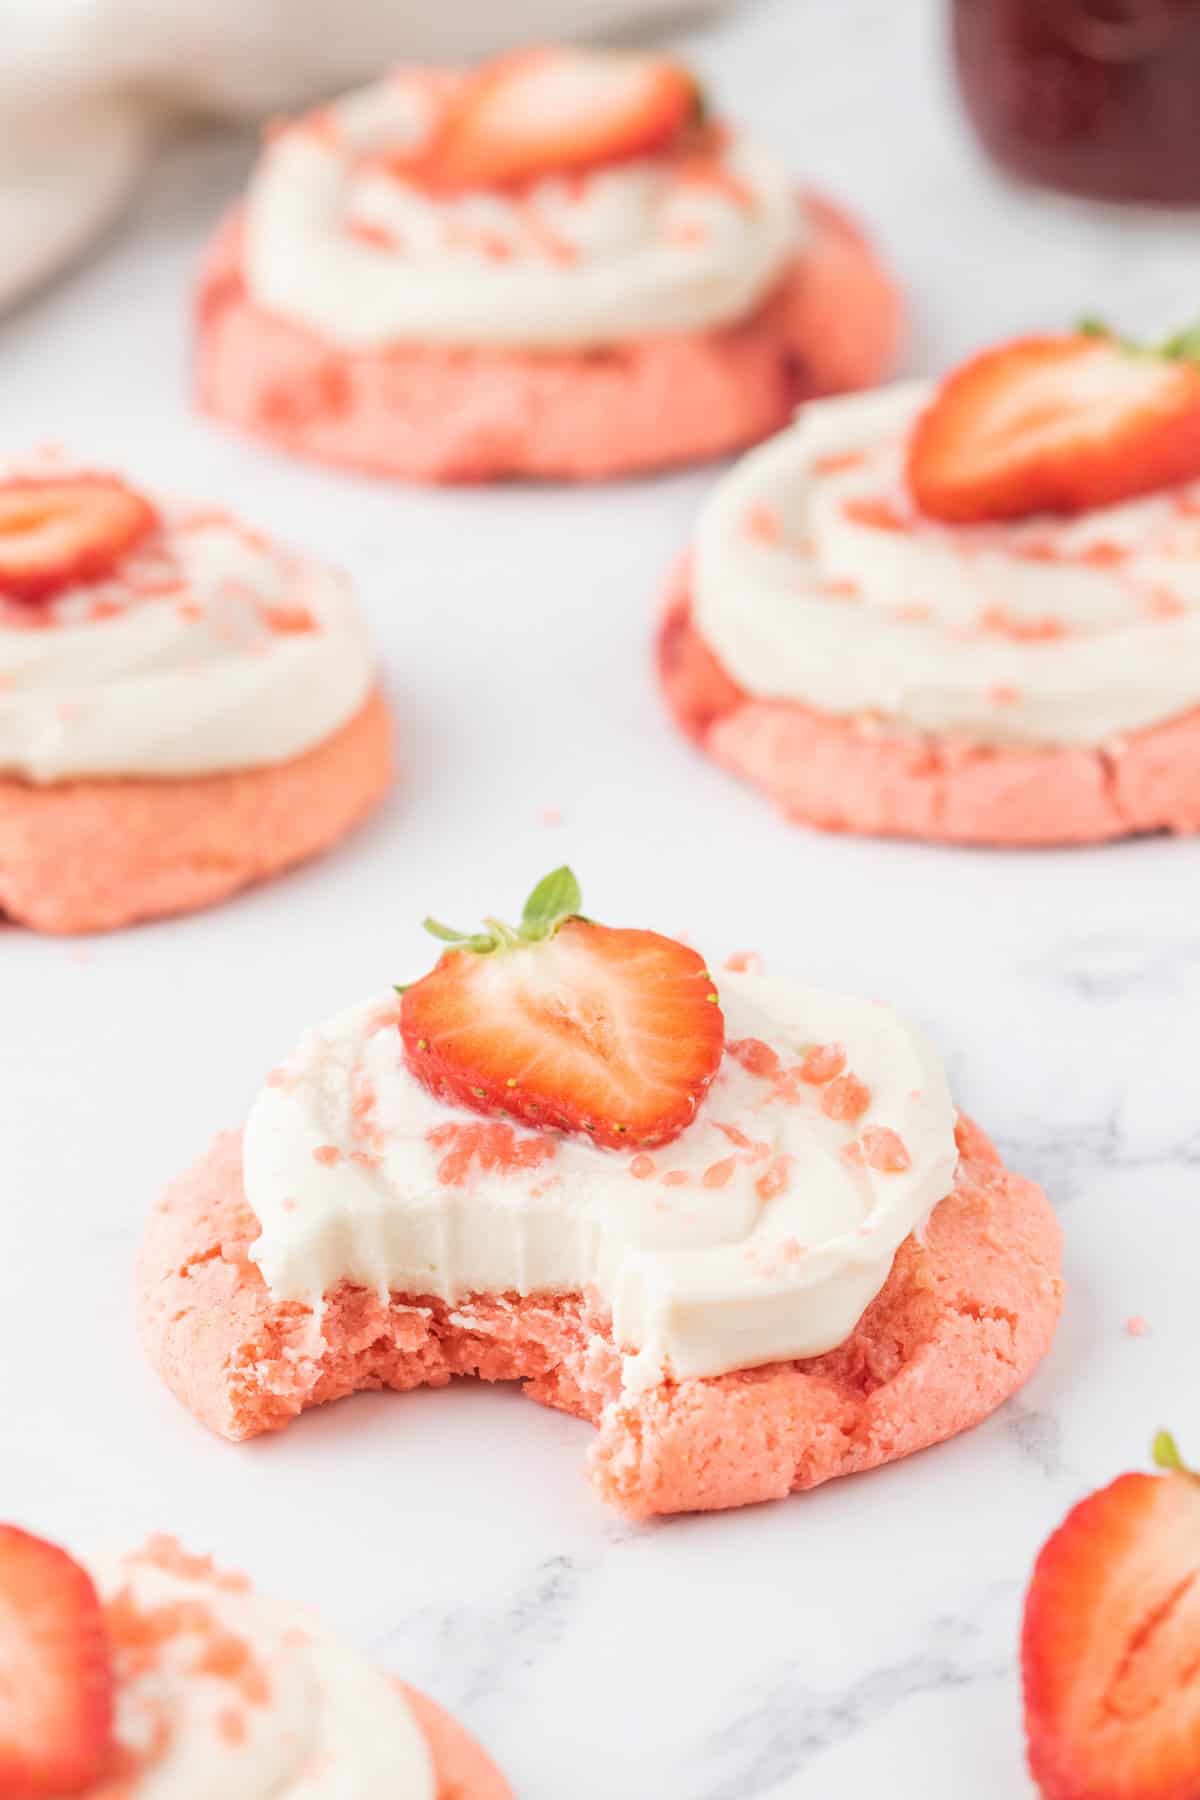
{"x": 829, "y": 773}
{"x": 175, "y": 846}
{"x": 429, "y": 414}
{"x": 239, "y": 1362}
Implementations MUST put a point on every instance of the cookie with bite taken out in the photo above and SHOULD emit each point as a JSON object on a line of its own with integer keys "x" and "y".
{"x": 737, "y": 1223}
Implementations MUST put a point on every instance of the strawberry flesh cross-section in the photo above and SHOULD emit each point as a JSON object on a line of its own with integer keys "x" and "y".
{"x": 1111, "y": 1643}
{"x": 550, "y": 111}
{"x": 1059, "y": 425}
{"x": 565, "y": 1025}
{"x": 58, "y": 532}
{"x": 56, "y": 1699}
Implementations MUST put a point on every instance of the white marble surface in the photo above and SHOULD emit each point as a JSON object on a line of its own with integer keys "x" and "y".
{"x": 859, "y": 1638}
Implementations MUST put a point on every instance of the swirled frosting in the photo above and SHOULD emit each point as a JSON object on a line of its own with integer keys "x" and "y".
{"x": 816, "y": 580}
{"x": 340, "y": 240}
{"x": 220, "y": 1692}
{"x": 207, "y": 648}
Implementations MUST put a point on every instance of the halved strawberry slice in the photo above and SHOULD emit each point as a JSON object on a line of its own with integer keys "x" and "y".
{"x": 570, "y": 1026}
{"x": 55, "y": 1674}
{"x": 55, "y": 532}
{"x": 1111, "y": 1643}
{"x": 1058, "y": 424}
{"x": 552, "y": 111}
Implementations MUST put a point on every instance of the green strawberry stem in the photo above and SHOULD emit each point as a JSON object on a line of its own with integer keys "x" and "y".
{"x": 554, "y": 900}
{"x": 1167, "y": 1456}
{"x": 1182, "y": 346}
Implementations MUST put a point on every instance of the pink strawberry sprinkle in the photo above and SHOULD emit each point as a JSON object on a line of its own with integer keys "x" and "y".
{"x": 675, "y": 1178}
{"x": 1161, "y": 603}
{"x": 231, "y": 1725}
{"x": 1002, "y": 623}
{"x": 878, "y": 513}
{"x": 1104, "y": 555}
{"x": 846, "y": 1099}
{"x": 735, "y": 1134}
{"x": 822, "y": 1063}
{"x": 642, "y": 1167}
{"x": 368, "y": 231}
{"x": 327, "y": 1155}
{"x": 719, "y": 1173}
{"x": 773, "y": 1180}
{"x": 838, "y": 461}
{"x": 762, "y": 524}
{"x": 852, "y": 1153}
{"x": 1137, "y": 1326}
{"x": 755, "y": 1056}
{"x": 885, "y": 1150}
{"x": 744, "y": 962}
{"x": 494, "y": 1145}
{"x": 288, "y": 621}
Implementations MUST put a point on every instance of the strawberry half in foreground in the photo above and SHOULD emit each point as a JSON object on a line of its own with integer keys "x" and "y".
{"x": 1111, "y": 1645}
{"x": 54, "y": 533}
{"x": 553, "y": 111}
{"x": 1058, "y": 424}
{"x": 566, "y": 1025}
{"x": 55, "y": 1675}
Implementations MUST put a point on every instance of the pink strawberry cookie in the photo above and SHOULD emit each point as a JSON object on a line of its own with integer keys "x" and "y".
{"x": 185, "y": 707}
{"x": 423, "y": 286}
{"x": 737, "y": 1225}
{"x": 160, "y": 1673}
{"x": 900, "y": 618}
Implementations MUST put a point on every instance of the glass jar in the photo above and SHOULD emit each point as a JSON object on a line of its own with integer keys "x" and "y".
{"x": 1098, "y": 97}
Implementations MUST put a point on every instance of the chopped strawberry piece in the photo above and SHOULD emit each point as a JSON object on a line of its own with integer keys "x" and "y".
{"x": 884, "y": 1150}
{"x": 55, "y": 1674}
{"x": 609, "y": 1034}
{"x": 846, "y": 1098}
{"x": 1056, "y": 424}
{"x": 54, "y": 533}
{"x": 553, "y": 111}
{"x": 821, "y": 1063}
{"x": 755, "y": 1057}
{"x": 719, "y": 1173}
{"x": 1111, "y": 1644}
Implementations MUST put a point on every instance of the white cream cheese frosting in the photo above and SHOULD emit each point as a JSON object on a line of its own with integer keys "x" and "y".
{"x": 338, "y": 241}
{"x": 763, "y": 1231}
{"x": 220, "y": 1692}
{"x": 207, "y": 649}
{"x": 816, "y": 580}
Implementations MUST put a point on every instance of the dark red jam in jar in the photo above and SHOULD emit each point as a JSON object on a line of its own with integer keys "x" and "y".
{"x": 1100, "y": 97}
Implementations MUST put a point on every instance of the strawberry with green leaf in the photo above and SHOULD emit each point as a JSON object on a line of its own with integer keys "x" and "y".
{"x": 610, "y": 1034}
